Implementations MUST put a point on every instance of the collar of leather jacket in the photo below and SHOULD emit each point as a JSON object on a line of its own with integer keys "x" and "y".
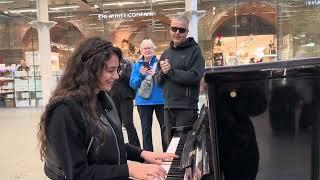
{"x": 104, "y": 100}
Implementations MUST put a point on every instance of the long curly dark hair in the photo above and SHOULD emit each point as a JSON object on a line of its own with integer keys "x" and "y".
{"x": 80, "y": 81}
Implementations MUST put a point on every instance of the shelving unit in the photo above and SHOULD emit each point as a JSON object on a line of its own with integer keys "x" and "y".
{"x": 35, "y": 91}
{"x": 23, "y": 89}
{"x": 27, "y": 90}
{"x": 7, "y": 95}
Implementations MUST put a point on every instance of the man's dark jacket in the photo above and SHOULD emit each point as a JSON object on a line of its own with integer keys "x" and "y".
{"x": 181, "y": 85}
{"x": 121, "y": 89}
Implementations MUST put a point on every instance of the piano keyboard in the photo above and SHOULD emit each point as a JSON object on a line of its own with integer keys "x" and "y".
{"x": 185, "y": 143}
{"x": 173, "y": 168}
{"x": 171, "y": 149}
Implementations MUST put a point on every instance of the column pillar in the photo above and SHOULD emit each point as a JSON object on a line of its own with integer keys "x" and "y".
{"x": 194, "y": 15}
{"x": 43, "y": 25}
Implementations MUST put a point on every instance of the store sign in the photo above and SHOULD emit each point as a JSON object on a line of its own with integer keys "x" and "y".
{"x": 126, "y": 15}
{"x": 313, "y": 3}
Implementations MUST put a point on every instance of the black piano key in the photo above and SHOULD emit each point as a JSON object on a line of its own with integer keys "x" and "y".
{"x": 187, "y": 151}
{"x": 174, "y": 178}
{"x": 175, "y": 173}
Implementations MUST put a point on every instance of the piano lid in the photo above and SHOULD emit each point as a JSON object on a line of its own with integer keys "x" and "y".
{"x": 278, "y": 69}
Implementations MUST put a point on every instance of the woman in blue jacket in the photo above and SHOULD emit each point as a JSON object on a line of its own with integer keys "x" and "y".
{"x": 146, "y": 66}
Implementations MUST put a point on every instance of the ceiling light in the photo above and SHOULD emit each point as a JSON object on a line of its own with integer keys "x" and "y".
{"x": 309, "y": 45}
{"x": 171, "y": 2}
{"x": 50, "y": 11}
{"x": 172, "y": 15}
{"x": 18, "y": 11}
{"x": 123, "y": 3}
{"x": 170, "y": 9}
{"x": 95, "y": 28}
{"x": 159, "y": 0}
{"x": 96, "y": 14}
{"x": 302, "y": 10}
{"x": 6, "y": 2}
{"x": 63, "y": 17}
{"x": 139, "y": 10}
{"x": 56, "y": 8}
{"x": 76, "y": 20}
{"x": 296, "y": 6}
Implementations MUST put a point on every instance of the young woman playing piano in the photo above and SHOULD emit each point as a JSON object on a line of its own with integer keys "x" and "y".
{"x": 80, "y": 131}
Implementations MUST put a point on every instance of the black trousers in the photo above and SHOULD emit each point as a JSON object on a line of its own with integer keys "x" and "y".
{"x": 125, "y": 110}
{"x": 146, "y": 113}
{"x": 176, "y": 118}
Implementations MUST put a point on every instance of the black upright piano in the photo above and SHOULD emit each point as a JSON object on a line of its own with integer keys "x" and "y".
{"x": 264, "y": 120}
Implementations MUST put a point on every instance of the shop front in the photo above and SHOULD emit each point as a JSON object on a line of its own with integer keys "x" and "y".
{"x": 231, "y": 32}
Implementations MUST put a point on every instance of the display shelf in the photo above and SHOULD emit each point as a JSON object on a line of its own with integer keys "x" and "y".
{"x": 7, "y": 92}
{"x": 23, "y": 88}
{"x": 26, "y": 88}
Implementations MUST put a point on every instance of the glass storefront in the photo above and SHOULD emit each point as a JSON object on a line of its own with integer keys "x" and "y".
{"x": 19, "y": 71}
{"x": 232, "y": 32}
{"x": 250, "y": 31}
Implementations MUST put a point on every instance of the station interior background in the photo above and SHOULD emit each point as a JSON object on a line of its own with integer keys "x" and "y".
{"x": 232, "y": 32}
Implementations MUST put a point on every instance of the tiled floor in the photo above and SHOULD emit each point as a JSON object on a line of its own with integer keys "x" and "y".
{"x": 19, "y": 154}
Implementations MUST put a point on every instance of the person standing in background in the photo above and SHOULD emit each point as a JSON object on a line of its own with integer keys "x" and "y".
{"x": 181, "y": 69}
{"x": 145, "y": 68}
{"x": 23, "y": 66}
{"x": 123, "y": 95}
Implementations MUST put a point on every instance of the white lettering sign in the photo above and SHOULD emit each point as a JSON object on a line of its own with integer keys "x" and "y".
{"x": 313, "y": 2}
{"x": 126, "y": 15}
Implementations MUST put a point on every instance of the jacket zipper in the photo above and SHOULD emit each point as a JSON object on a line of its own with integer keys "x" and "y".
{"x": 117, "y": 144}
{"x": 169, "y": 90}
{"x": 118, "y": 148}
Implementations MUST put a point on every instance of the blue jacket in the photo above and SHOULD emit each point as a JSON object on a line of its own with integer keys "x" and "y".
{"x": 136, "y": 79}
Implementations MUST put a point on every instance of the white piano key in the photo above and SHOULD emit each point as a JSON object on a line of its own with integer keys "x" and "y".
{"x": 171, "y": 149}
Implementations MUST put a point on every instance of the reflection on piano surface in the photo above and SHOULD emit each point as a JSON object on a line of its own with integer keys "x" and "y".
{"x": 193, "y": 147}
{"x": 264, "y": 121}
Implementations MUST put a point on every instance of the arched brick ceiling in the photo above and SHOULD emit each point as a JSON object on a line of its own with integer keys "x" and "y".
{"x": 262, "y": 10}
{"x": 57, "y": 34}
{"x": 137, "y": 23}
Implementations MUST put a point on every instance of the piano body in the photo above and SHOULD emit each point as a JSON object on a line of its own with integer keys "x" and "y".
{"x": 193, "y": 145}
{"x": 264, "y": 120}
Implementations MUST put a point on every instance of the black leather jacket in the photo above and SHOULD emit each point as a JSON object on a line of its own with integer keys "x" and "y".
{"x": 72, "y": 147}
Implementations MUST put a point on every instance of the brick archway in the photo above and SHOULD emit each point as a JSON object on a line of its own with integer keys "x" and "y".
{"x": 140, "y": 24}
{"x": 120, "y": 35}
{"x": 263, "y": 10}
{"x": 30, "y": 38}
